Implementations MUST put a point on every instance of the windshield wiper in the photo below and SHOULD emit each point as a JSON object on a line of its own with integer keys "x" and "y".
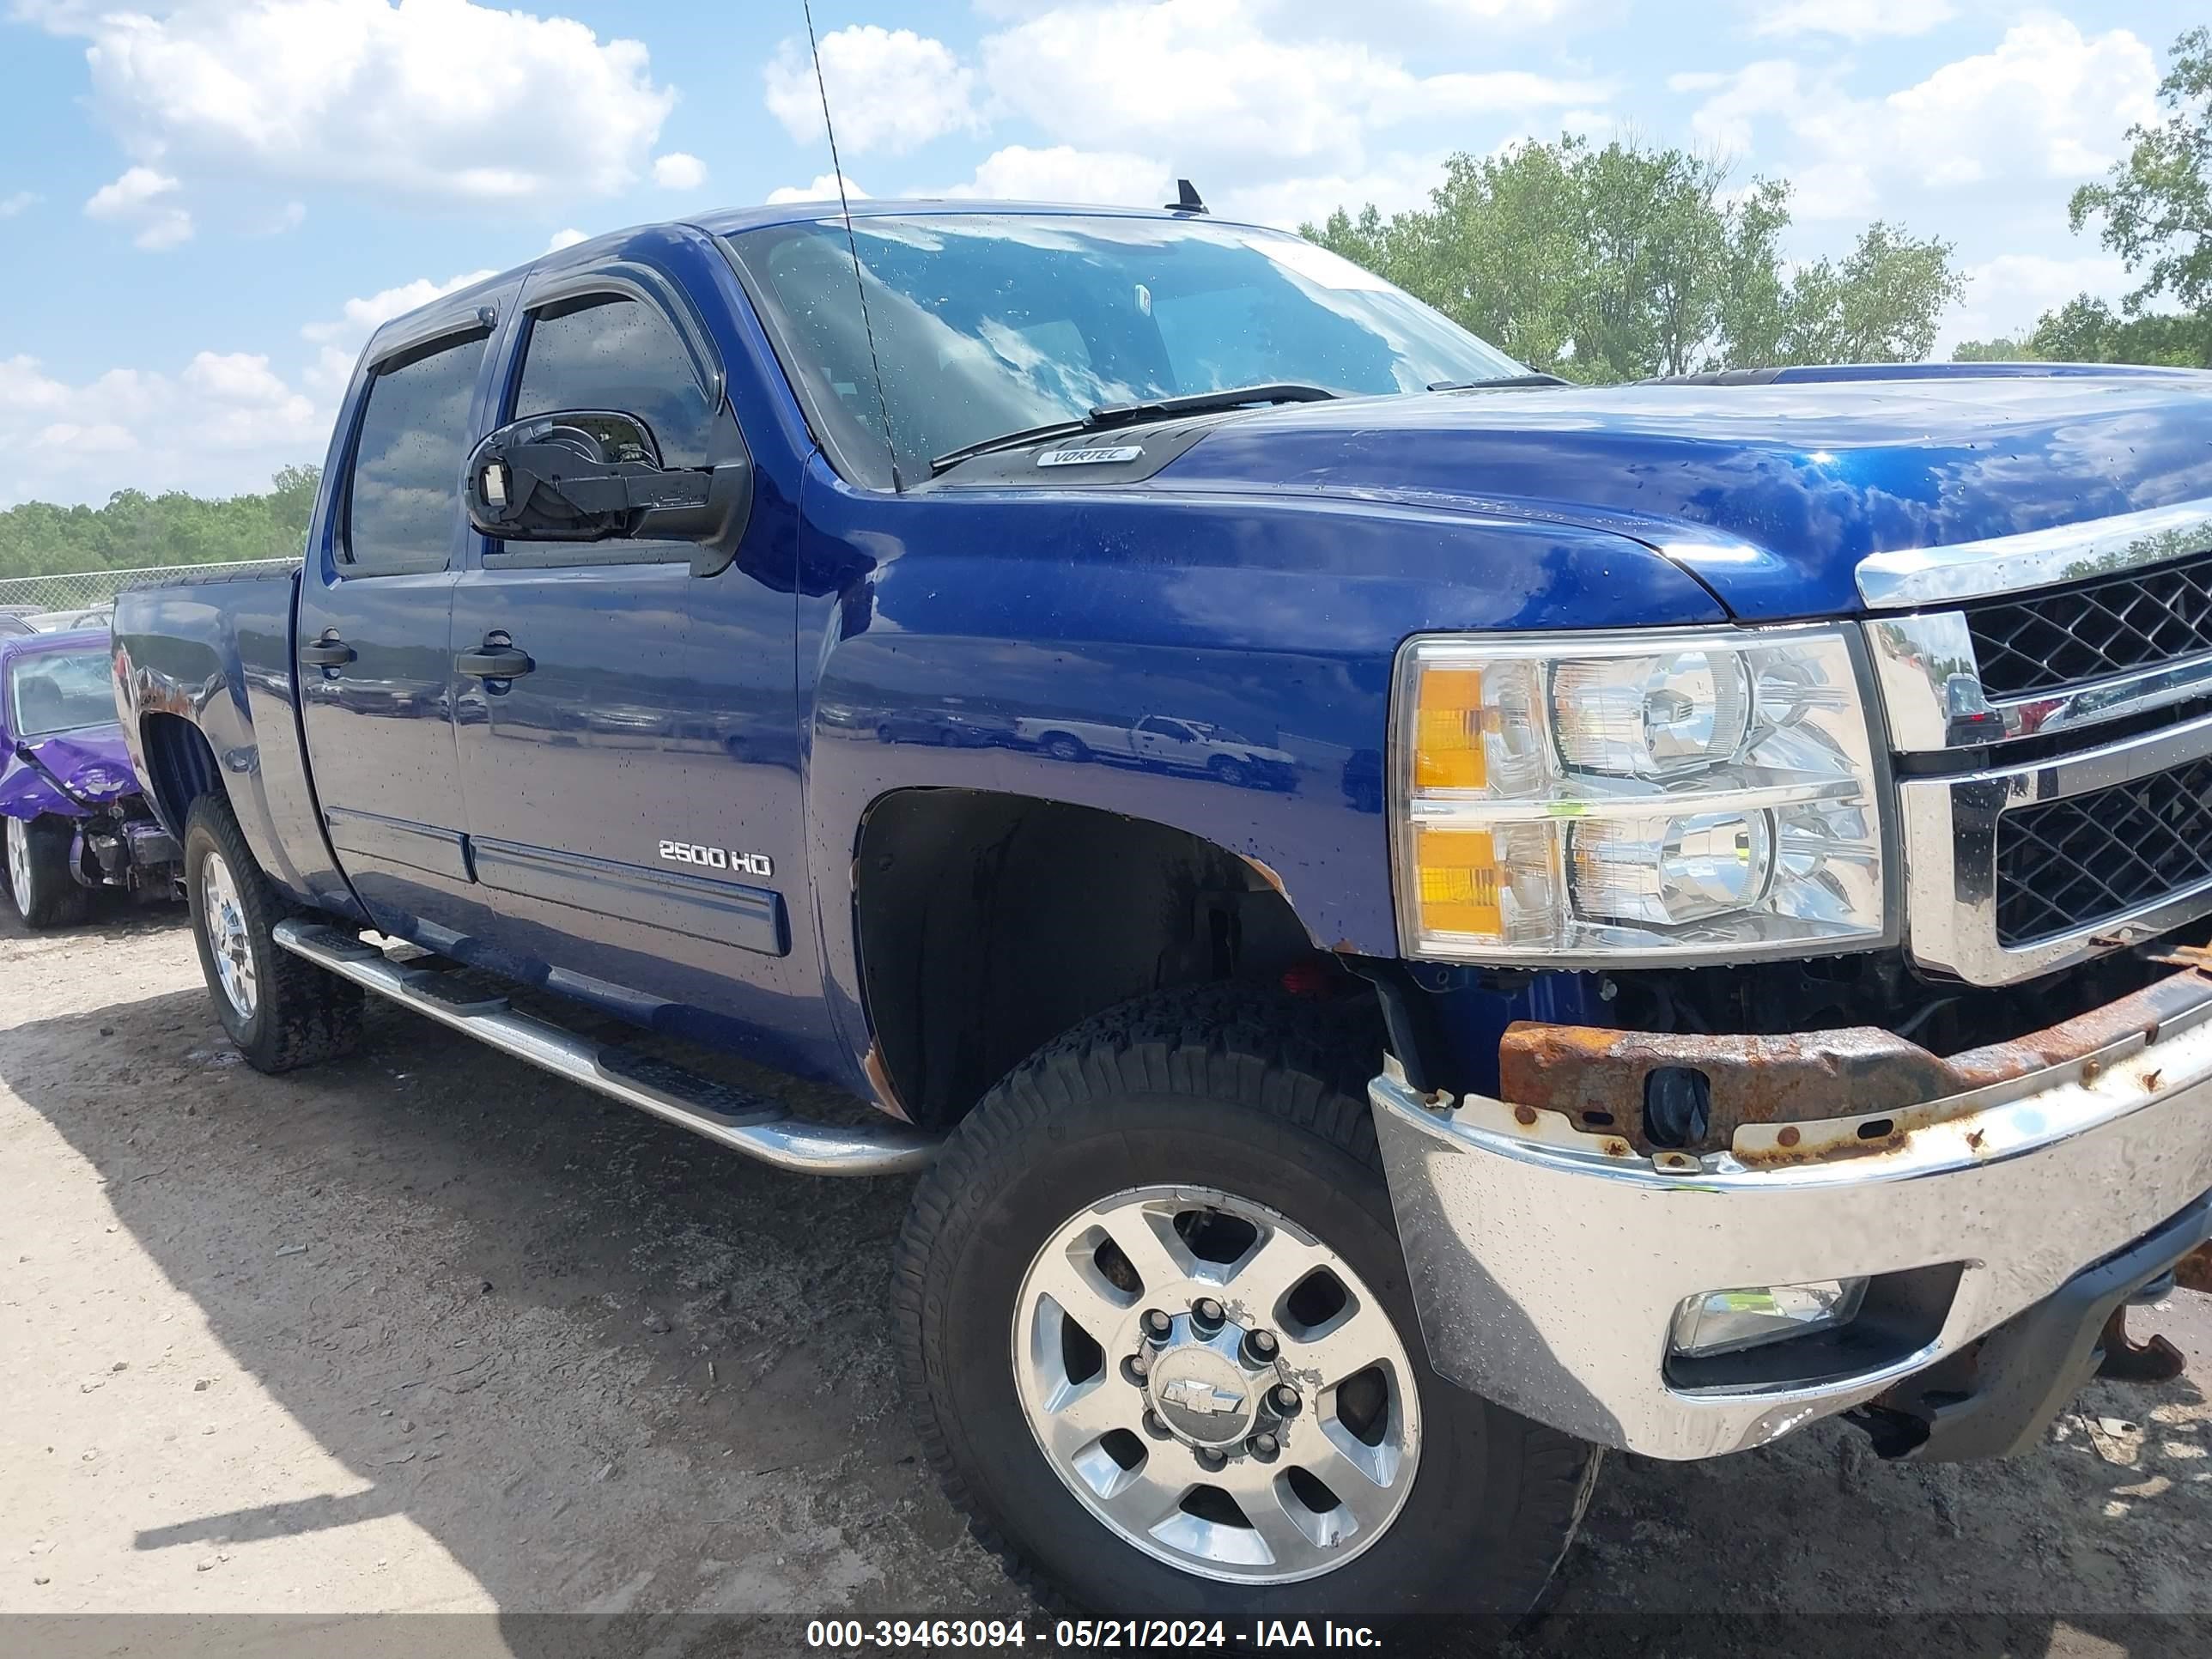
{"x": 1498, "y": 383}
{"x": 1108, "y": 416}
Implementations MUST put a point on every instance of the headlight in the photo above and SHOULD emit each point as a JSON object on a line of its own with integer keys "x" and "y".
{"x": 1686, "y": 796}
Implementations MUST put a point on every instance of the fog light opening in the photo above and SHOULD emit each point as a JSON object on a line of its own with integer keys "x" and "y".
{"x": 1728, "y": 1321}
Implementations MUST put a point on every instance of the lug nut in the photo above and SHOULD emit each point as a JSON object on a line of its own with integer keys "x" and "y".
{"x": 1264, "y": 1447}
{"x": 1158, "y": 1324}
{"x": 1154, "y": 1427}
{"x": 1283, "y": 1398}
{"x": 1136, "y": 1368}
{"x": 1259, "y": 1347}
{"x": 1207, "y": 1312}
{"x": 1210, "y": 1459}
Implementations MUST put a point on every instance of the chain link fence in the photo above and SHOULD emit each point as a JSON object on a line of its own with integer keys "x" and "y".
{"x": 95, "y": 590}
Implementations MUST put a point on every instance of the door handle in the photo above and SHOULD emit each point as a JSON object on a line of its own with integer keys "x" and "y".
{"x": 329, "y": 651}
{"x": 494, "y": 662}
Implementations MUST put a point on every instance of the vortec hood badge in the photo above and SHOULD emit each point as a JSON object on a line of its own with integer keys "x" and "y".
{"x": 1101, "y": 455}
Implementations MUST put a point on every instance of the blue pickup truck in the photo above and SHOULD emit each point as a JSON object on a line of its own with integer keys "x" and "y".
{"x": 1717, "y": 948}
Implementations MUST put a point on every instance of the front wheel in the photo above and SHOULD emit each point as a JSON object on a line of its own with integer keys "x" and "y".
{"x": 1156, "y": 1326}
{"x": 47, "y": 893}
{"x": 281, "y": 1010}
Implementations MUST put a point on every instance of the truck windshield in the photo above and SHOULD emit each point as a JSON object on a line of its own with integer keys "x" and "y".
{"x": 987, "y": 324}
{"x": 53, "y": 691}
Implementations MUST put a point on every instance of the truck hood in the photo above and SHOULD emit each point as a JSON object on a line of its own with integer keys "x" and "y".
{"x": 92, "y": 763}
{"x": 1770, "y": 492}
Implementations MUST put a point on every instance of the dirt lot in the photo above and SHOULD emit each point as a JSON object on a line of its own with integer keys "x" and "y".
{"x": 425, "y": 1331}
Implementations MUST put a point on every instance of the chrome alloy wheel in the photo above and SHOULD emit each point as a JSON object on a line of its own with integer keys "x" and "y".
{"x": 1216, "y": 1385}
{"x": 226, "y": 938}
{"x": 19, "y": 865}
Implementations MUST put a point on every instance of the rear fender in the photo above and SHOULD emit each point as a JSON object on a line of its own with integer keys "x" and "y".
{"x": 216, "y": 658}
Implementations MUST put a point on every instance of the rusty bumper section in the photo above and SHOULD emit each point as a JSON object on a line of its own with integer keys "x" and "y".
{"x": 1548, "y": 1252}
{"x": 1780, "y": 1100}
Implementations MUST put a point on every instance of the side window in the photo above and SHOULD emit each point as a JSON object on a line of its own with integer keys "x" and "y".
{"x": 1153, "y": 726}
{"x": 403, "y": 494}
{"x": 606, "y": 352}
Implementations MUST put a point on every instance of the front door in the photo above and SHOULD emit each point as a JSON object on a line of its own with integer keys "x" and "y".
{"x": 617, "y": 798}
{"x": 375, "y": 657}
{"x": 1165, "y": 742}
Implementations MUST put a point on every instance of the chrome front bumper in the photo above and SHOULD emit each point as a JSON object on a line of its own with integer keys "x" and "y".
{"x": 1547, "y": 1263}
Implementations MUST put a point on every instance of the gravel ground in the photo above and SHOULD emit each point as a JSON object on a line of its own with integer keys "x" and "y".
{"x": 425, "y": 1331}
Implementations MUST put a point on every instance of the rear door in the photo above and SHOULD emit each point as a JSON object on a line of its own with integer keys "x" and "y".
{"x": 620, "y": 796}
{"x": 374, "y": 650}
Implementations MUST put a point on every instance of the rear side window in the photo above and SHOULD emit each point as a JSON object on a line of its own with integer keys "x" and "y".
{"x": 404, "y": 494}
{"x": 608, "y": 352}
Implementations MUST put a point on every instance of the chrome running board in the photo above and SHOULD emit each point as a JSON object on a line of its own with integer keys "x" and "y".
{"x": 748, "y": 1123}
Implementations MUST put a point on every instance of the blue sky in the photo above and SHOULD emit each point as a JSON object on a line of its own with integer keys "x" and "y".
{"x": 204, "y": 207}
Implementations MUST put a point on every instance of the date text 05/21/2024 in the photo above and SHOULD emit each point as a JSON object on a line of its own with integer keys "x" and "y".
{"x": 901, "y": 1634}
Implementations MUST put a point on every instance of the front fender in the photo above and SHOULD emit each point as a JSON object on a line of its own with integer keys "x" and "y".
{"x": 1273, "y": 618}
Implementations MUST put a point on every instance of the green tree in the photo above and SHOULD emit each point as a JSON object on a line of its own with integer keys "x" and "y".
{"x": 2155, "y": 212}
{"x": 1878, "y": 306}
{"x": 2001, "y": 350}
{"x": 1610, "y": 264}
{"x": 2157, "y": 204}
{"x": 134, "y": 529}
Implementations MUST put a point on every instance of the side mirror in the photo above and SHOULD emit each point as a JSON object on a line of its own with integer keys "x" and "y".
{"x": 595, "y": 474}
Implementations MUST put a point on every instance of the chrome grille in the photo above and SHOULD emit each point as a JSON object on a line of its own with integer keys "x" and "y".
{"x": 2067, "y": 865}
{"x": 2086, "y": 632}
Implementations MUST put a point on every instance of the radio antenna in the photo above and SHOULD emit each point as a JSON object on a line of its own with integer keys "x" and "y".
{"x": 853, "y": 246}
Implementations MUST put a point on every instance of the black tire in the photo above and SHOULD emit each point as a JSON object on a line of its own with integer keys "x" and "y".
{"x": 301, "y": 1013}
{"x": 1230, "y": 770}
{"x": 45, "y": 893}
{"x": 1066, "y": 746}
{"x": 1251, "y": 1094}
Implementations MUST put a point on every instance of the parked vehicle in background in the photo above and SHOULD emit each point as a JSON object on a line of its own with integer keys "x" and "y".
{"x": 1733, "y": 836}
{"x": 69, "y": 621}
{"x": 75, "y": 818}
{"x": 1163, "y": 740}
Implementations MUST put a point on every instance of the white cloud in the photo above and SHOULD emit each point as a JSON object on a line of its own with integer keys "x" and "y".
{"x": 2006, "y": 296}
{"x": 2047, "y": 103}
{"x": 677, "y": 171}
{"x": 438, "y": 100}
{"x": 223, "y": 423}
{"x": 567, "y": 238}
{"x": 1393, "y": 184}
{"x": 824, "y": 189}
{"x": 1063, "y": 174}
{"x": 139, "y": 201}
{"x": 889, "y": 89}
{"x": 1854, "y": 20}
{"x": 12, "y": 205}
{"x": 1218, "y": 89}
{"x": 359, "y": 318}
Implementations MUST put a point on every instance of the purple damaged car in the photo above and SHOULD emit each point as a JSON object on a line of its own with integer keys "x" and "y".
{"x": 70, "y": 806}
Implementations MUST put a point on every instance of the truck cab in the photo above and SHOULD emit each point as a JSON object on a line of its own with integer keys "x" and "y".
{"x": 1602, "y": 917}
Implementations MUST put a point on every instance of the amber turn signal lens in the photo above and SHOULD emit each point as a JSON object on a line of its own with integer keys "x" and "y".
{"x": 1457, "y": 875}
{"x": 1448, "y": 752}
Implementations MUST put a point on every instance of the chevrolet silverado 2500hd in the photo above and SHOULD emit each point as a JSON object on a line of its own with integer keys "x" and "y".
{"x": 1717, "y": 956}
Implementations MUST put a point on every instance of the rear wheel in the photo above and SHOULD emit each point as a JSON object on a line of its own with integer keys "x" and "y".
{"x": 46, "y": 893}
{"x": 1156, "y": 1326}
{"x": 1066, "y": 746}
{"x": 281, "y": 1010}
